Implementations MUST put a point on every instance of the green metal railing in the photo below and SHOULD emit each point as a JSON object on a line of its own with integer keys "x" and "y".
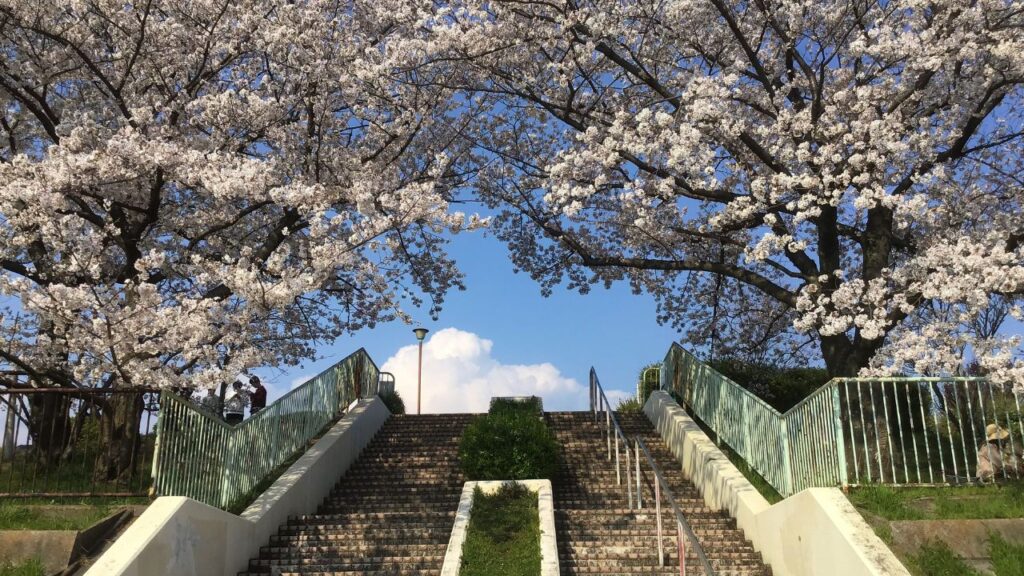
{"x": 857, "y": 430}
{"x": 599, "y": 405}
{"x": 200, "y": 456}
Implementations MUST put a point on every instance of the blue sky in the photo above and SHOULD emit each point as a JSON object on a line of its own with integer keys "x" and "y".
{"x": 613, "y": 330}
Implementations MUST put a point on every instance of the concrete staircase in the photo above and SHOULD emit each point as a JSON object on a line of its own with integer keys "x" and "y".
{"x": 599, "y": 534}
{"x": 392, "y": 513}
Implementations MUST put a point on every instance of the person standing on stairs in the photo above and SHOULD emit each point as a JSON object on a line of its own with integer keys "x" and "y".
{"x": 259, "y": 396}
{"x": 212, "y": 402}
{"x": 234, "y": 407}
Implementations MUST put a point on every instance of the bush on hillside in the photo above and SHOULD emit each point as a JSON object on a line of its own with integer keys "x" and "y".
{"x": 781, "y": 387}
{"x": 394, "y": 402}
{"x": 508, "y": 446}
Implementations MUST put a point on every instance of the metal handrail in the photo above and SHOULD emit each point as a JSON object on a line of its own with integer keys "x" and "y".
{"x": 200, "y": 456}
{"x": 682, "y": 525}
{"x": 599, "y": 403}
{"x": 642, "y": 383}
{"x": 850, "y": 431}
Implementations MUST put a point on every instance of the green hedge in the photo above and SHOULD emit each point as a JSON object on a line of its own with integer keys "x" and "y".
{"x": 508, "y": 445}
{"x": 531, "y": 406}
{"x": 781, "y": 387}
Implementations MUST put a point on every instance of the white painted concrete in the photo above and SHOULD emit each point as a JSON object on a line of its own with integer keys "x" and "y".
{"x": 816, "y": 531}
{"x": 545, "y": 510}
{"x": 178, "y": 536}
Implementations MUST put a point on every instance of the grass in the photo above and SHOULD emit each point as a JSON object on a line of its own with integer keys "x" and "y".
{"x": 29, "y": 568}
{"x": 941, "y": 503}
{"x": 881, "y": 504}
{"x": 27, "y": 474}
{"x": 504, "y": 534}
{"x": 936, "y": 559}
{"x": 1007, "y": 559}
{"x": 629, "y": 406}
{"x": 52, "y": 515}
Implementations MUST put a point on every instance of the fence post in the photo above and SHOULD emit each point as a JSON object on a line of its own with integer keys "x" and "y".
{"x": 154, "y": 488}
{"x": 639, "y": 497}
{"x": 837, "y": 411}
{"x": 226, "y": 467}
{"x": 787, "y": 464}
{"x": 745, "y": 422}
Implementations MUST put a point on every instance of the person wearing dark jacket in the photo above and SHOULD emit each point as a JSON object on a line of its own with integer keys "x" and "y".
{"x": 259, "y": 396}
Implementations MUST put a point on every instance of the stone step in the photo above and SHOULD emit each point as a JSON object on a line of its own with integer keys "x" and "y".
{"x": 393, "y": 511}
{"x": 599, "y": 534}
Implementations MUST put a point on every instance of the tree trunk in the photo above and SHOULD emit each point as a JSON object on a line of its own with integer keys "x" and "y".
{"x": 48, "y": 424}
{"x": 844, "y": 358}
{"x": 10, "y": 429}
{"x": 119, "y": 431}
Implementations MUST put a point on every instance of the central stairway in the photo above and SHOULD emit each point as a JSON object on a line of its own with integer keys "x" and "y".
{"x": 392, "y": 513}
{"x": 597, "y": 531}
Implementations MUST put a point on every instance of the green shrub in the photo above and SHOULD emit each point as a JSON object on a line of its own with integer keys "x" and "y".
{"x": 649, "y": 384}
{"x": 629, "y": 406}
{"x": 531, "y": 406}
{"x": 508, "y": 446}
{"x": 393, "y": 401}
{"x": 781, "y": 387}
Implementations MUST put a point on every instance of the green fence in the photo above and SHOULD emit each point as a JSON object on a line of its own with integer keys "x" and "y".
{"x": 858, "y": 430}
{"x": 200, "y": 456}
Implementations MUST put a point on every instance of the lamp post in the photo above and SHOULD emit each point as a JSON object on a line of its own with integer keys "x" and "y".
{"x": 420, "y": 334}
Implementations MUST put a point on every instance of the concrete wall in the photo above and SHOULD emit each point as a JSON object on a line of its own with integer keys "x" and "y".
{"x": 178, "y": 536}
{"x": 816, "y": 531}
{"x": 546, "y": 516}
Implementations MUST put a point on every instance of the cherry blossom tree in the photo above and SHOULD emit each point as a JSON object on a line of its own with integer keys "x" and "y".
{"x": 836, "y": 166}
{"x": 192, "y": 188}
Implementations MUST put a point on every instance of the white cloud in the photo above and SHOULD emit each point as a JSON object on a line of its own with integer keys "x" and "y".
{"x": 461, "y": 375}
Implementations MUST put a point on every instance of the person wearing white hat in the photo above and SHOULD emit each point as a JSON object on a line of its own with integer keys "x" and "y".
{"x": 996, "y": 456}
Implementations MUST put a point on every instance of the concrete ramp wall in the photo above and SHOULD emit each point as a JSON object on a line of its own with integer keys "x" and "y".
{"x": 816, "y": 531}
{"x": 178, "y": 536}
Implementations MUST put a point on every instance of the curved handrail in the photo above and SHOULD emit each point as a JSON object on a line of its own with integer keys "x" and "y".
{"x": 598, "y": 403}
{"x": 661, "y": 484}
{"x": 642, "y": 384}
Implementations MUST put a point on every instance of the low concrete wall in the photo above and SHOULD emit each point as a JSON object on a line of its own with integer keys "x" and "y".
{"x": 545, "y": 511}
{"x": 53, "y": 548}
{"x": 968, "y": 539}
{"x": 178, "y": 536}
{"x": 816, "y": 531}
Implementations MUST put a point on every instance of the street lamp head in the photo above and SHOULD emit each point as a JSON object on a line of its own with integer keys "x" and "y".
{"x": 421, "y": 333}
